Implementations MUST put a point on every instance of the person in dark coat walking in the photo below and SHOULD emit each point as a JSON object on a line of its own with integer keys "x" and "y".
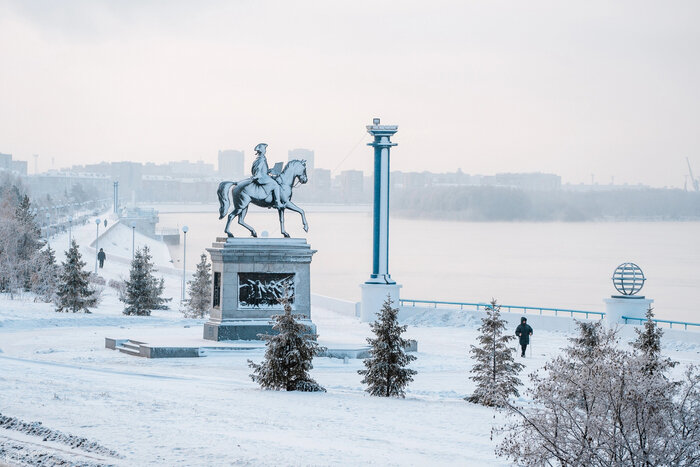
{"x": 523, "y": 331}
{"x": 101, "y": 257}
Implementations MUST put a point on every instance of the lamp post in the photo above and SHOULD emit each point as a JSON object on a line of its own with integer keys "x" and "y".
{"x": 184, "y": 260}
{"x": 133, "y": 239}
{"x": 97, "y": 238}
{"x": 70, "y": 229}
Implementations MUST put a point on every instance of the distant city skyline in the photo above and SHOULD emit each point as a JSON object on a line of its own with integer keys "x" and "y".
{"x": 575, "y": 89}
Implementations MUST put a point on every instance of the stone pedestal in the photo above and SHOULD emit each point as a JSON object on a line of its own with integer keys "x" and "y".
{"x": 618, "y": 306}
{"x": 373, "y": 297}
{"x": 249, "y": 276}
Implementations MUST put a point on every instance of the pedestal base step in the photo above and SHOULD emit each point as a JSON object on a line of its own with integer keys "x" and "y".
{"x": 246, "y": 330}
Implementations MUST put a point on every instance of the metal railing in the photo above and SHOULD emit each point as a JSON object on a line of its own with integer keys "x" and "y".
{"x": 661, "y": 321}
{"x": 508, "y": 308}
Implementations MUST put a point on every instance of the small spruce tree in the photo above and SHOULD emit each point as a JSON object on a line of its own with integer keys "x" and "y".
{"x": 74, "y": 293}
{"x": 144, "y": 292}
{"x": 199, "y": 290}
{"x": 385, "y": 372}
{"x": 45, "y": 275}
{"x": 495, "y": 371}
{"x": 289, "y": 355}
{"x": 648, "y": 344}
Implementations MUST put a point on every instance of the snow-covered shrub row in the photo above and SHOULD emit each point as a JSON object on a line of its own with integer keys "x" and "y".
{"x": 47, "y": 434}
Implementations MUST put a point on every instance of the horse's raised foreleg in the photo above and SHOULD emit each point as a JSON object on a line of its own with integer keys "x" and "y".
{"x": 241, "y": 220}
{"x": 281, "y": 213}
{"x": 296, "y": 208}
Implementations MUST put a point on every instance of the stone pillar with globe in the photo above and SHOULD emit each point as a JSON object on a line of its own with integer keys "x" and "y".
{"x": 628, "y": 280}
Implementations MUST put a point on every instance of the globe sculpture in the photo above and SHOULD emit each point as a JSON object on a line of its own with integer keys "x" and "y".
{"x": 628, "y": 279}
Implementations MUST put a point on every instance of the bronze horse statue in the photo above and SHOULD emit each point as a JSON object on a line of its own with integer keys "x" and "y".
{"x": 241, "y": 194}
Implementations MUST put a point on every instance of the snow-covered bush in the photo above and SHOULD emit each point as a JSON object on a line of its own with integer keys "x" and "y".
{"x": 288, "y": 355}
{"x": 20, "y": 239}
{"x": 597, "y": 405}
{"x": 144, "y": 292}
{"x": 385, "y": 372}
{"x": 119, "y": 286}
{"x": 44, "y": 278}
{"x": 199, "y": 290}
{"x": 97, "y": 279}
{"x": 74, "y": 292}
{"x": 495, "y": 371}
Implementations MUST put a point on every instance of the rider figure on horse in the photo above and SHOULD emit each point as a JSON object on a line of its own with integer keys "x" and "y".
{"x": 261, "y": 175}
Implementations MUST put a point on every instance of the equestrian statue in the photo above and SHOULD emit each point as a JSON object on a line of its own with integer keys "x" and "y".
{"x": 266, "y": 188}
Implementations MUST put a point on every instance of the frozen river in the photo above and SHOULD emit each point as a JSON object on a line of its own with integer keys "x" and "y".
{"x": 539, "y": 264}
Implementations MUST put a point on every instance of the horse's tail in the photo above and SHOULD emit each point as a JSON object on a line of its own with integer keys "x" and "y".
{"x": 224, "y": 199}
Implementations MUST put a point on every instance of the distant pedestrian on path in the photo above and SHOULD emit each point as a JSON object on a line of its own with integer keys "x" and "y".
{"x": 523, "y": 331}
{"x": 101, "y": 257}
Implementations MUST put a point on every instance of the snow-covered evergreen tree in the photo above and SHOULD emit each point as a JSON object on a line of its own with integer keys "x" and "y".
{"x": 144, "y": 292}
{"x": 74, "y": 293}
{"x": 648, "y": 343}
{"x": 386, "y": 373}
{"x": 288, "y": 355}
{"x": 199, "y": 290}
{"x": 595, "y": 405}
{"x": 44, "y": 278}
{"x": 495, "y": 371}
{"x": 20, "y": 239}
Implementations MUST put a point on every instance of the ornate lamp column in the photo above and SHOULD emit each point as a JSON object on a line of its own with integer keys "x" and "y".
{"x": 380, "y": 283}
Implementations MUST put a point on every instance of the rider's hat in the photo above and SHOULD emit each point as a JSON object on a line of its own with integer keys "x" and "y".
{"x": 261, "y": 147}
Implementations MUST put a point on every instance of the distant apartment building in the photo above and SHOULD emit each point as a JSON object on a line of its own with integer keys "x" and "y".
{"x": 191, "y": 169}
{"x": 231, "y": 164}
{"x": 19, "y": 166}
{"x": 56, "y": 184}
{"x": 6, "y": 163}
{"x": 351, "y": 185}
{"x": 524, "y": 181}
{"x": 303, "y": 154}
{"x": 320, "y": 180}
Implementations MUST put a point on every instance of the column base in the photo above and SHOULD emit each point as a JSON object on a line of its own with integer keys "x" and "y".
{"x": 373, "y": 297}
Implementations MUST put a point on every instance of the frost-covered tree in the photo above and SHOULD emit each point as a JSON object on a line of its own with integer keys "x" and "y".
{"x": 288, "y": 355}
{"x": 648, "y": 344}
{"x": 144, "y": 292}
{"x": 595, "y": 405}
{"x": 74, "y": 293}
{"x": 44, "y": 278}
{"x": 386, "y": 373}
{"x": 199, "y": 290}
{"x": 20, "y": 238}
{"x": 495, "y": 371}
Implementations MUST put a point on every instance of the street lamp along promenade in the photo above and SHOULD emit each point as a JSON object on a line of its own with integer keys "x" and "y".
{"x": 184, "y": 260}
{"x": 97, "y": 238}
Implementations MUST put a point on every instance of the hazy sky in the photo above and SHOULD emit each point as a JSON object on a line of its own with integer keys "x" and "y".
{"x": 574, "y": 88}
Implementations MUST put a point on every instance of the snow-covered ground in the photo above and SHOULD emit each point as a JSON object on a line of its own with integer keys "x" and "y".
{"x": 206, "y": 411}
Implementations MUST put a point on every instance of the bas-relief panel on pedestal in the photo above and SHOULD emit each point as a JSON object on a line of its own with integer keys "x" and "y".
{"x": 264, "y": 290}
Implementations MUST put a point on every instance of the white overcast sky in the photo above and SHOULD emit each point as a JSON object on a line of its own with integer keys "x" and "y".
{"x": 610, "y": 88}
